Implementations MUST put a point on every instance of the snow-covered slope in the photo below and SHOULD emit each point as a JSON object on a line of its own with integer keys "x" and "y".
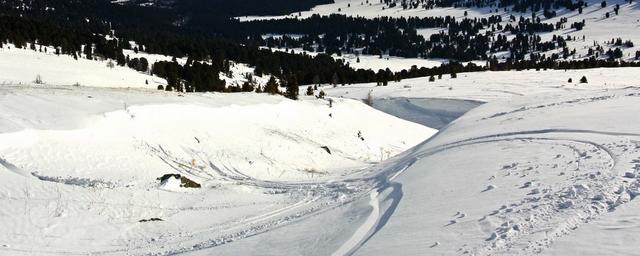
{"x": 512, "y": 177}
{"x": 542, "y": 166}
{"x": 22, "y": 66}
{"x": 435, "y": 104}
{"x": 531, "y": 174}
{"x": 78, "y": 165}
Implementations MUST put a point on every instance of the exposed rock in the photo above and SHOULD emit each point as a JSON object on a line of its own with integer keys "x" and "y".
{"x": 184, "y": 181}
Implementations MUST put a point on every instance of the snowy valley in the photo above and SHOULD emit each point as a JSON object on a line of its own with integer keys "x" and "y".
{"x": 223, "y": 144}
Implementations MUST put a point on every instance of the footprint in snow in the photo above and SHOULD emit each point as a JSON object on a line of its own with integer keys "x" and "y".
{"x": 451, "y": 222}
{"x": 490, "y": 187}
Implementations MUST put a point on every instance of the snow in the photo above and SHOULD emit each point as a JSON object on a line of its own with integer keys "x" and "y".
{"x": 506, "y": 177}
{"x": 490, "y": 86}
{"x": 82, "y": 159}
{"x": 462, "y": 190}
{"x": 452, "y": 170}
{"x": 170, "y": 184}
{"x": 22, "y": 66}
{"x": 435, "y": 104}
{"x": 522, "y": 162}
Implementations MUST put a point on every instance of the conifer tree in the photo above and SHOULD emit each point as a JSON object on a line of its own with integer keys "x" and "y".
{"x": 272, "y": 86}
{"x": 293, "y": 88}
{"x": 583, "y": 80}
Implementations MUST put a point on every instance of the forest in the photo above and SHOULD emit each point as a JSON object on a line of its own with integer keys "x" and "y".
{"x": 98, "y": 29}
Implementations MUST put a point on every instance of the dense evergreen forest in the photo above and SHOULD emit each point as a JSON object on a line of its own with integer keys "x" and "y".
{"x": 515, "y": 5}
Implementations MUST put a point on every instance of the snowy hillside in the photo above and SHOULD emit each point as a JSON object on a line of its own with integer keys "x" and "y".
{"x": 23, "y": 66}
{"x": 437, "y": 103}
{"x": 75, "y": 160}
{"x": 542, "y": 166}
{"x": 227, "y": 148}
{"x": 507, "y": 178}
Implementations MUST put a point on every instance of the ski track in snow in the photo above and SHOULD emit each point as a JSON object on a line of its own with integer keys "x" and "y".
{"x": 364, "y": 230}
{"x": 591, "y": 182}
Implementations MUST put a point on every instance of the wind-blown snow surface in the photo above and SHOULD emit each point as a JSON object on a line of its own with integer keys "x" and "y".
{"x": 511, "y": 177}
{"x": 543, "y": 167}
{"x": 531, "y": 174}
{"x": 78, "y": 166}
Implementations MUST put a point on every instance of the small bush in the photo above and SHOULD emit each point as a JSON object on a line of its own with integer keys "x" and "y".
{"x": 38, "y": 80}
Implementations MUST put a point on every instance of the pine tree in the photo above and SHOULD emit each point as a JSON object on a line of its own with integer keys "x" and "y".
{"x": 121, "y": 59}
{"x": 293, "y": 88}
{"x": 272, "y": 86}
{"x": 247, "y": 87}
{"x": 88, "y": 51}
{"x": 583, "y": 80}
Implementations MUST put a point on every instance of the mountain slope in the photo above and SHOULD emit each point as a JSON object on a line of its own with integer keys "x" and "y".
{"x": 508, "y": 178}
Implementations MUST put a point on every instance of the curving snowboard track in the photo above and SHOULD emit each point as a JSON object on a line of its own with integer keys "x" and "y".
{"x": 566, "y": 192}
